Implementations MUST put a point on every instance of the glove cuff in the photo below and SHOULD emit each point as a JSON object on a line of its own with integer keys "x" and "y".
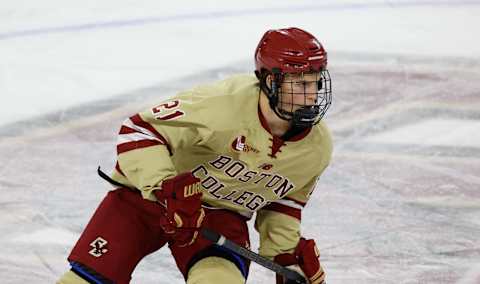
{"x": 285, "y": 259}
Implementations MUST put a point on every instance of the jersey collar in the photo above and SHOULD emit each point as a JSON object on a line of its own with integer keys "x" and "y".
{"x": 296, "y": 137}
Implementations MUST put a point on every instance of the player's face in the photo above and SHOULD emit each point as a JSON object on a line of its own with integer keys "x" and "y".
{"x": 299, "y": 90}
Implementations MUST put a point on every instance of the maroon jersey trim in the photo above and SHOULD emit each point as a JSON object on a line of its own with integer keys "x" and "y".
{"x": 129, "y": 146}
{"x": 296, "y": 201}
{"x": 296, "y": 213}
{"x": 137, "y": 120}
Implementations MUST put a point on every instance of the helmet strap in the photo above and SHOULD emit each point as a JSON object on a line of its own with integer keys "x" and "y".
{"x": 273, "y": 92}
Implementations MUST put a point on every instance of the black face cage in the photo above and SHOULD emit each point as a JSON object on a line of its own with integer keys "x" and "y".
{"x": 293, "y": 102}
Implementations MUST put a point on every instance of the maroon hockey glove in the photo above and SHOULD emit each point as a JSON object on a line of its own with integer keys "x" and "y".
{"x": 181, "y": 198}
{"x": 306, "y": 257}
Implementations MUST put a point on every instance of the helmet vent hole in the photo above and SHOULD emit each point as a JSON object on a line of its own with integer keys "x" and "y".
{"x": 293, "y": 52}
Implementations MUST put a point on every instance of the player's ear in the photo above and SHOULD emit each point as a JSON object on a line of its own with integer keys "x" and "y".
{"x": 268, "y": 81}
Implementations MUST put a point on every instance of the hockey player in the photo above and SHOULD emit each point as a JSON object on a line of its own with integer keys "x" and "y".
{"x": 212, "y": 157}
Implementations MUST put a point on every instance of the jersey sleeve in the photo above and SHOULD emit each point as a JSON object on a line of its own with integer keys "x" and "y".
{"x": 279, "y": 223}
{"x": 147, "y": 140}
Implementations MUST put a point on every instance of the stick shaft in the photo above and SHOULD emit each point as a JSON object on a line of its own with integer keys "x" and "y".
{"x": 248, "y": 254}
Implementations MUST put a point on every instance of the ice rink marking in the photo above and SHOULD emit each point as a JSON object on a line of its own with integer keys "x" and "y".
{"x": 226, "y": 14}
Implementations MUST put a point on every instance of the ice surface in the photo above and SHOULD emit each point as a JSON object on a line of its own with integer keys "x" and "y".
{"x": 400, "y": 202}
{"x": 436, "y": 132}
{"x": 381, "y": 211}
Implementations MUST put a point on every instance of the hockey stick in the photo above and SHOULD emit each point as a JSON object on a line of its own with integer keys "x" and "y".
{"x": 220, "y": 240}
{"x": 292, "y": 276}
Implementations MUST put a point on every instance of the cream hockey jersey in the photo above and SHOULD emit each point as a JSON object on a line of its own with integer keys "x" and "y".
{"x": 218, "y": 133}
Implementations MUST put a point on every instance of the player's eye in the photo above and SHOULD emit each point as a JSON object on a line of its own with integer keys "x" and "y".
{"x": 305, "y": 83}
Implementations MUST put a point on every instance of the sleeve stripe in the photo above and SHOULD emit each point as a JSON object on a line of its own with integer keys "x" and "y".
{"x": 296, "y": 213}
{"x": 137, "y": 136}
{"x": 129, "y": 146}
{"x": 296, "y": 201}
{"x": 289, "y": 203}
{"x": 145, "y": 127}
{"x": 127, "y": 130}
{"x": 136, "y": 124}
{"x": 130, "y": 125}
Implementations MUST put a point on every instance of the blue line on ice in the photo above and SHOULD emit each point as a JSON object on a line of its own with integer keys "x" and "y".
{"x": 226, "y": 14}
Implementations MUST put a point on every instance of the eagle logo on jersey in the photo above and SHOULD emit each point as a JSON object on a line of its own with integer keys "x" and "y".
{"x": 98, "y": 247}
{"x": 239, "y": 144}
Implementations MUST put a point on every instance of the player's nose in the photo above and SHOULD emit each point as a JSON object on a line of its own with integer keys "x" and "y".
{"x": 311, "y": 98}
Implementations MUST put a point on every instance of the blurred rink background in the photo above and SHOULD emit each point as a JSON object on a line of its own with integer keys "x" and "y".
{"x": 400, "y": 202}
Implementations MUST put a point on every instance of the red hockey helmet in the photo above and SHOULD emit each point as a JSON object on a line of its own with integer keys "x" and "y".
{"x": 291, "y": 50}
